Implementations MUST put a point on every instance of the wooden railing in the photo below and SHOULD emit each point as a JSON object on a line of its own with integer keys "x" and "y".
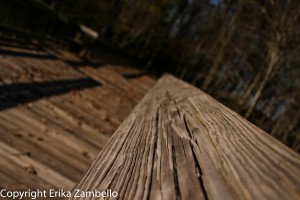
{"x": 180, "y": 143}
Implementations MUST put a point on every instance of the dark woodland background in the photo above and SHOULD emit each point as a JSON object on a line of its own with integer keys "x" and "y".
{"x": 244, "y": 53}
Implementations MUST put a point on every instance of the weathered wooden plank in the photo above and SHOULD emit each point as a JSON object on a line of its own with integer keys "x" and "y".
{"x": 105, "y": 75}
{"x": 33, "y": 138}
{"x": 37, "y": 174}
{"x": 179, "y": 143}
{"x": 62, "y": 132}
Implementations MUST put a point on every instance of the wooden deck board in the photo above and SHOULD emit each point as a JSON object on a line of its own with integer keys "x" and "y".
{"x": 179, "y": 143}
{"x": 60, "y": 133}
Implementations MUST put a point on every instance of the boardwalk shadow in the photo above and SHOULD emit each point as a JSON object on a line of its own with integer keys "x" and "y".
{"x": 135, "y": 75}
{"x": 83, "y": 63}
{"x": 27, "y": 54}
{"x": 44, "y": 55}
{"x": 21, "y": 93}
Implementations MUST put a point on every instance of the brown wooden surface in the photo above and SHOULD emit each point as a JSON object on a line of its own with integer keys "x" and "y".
{"x": 179, "y": 143}
{"x": 50, "y": 140}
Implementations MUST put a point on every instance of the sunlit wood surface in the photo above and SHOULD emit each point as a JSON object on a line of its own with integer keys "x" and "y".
{"x": 56, "y": 113}
{"x": 179, "y": 143}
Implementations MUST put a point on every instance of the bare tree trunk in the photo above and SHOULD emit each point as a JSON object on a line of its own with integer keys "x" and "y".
{"x": 225, "y": 38}
{"x": 251, "y": 87}
{"x": 273, "y": 58}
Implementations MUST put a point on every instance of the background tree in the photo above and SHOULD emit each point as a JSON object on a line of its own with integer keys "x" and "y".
{"x": 242, "y": 52}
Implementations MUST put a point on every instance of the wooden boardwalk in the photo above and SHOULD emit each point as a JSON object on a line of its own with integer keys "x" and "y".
{"x": 179, "y": 143}
{"x": 56, "y": 114}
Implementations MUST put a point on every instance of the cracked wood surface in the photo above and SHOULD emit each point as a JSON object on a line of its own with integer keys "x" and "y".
{"x": 179, "y": 143}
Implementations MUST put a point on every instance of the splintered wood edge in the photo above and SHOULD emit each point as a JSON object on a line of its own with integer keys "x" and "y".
{"x": 180, "y": 143}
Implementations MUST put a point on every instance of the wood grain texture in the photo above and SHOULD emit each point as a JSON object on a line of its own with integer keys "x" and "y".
{"x": 49, "y": 140}
{"x": 179, "y": 143}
